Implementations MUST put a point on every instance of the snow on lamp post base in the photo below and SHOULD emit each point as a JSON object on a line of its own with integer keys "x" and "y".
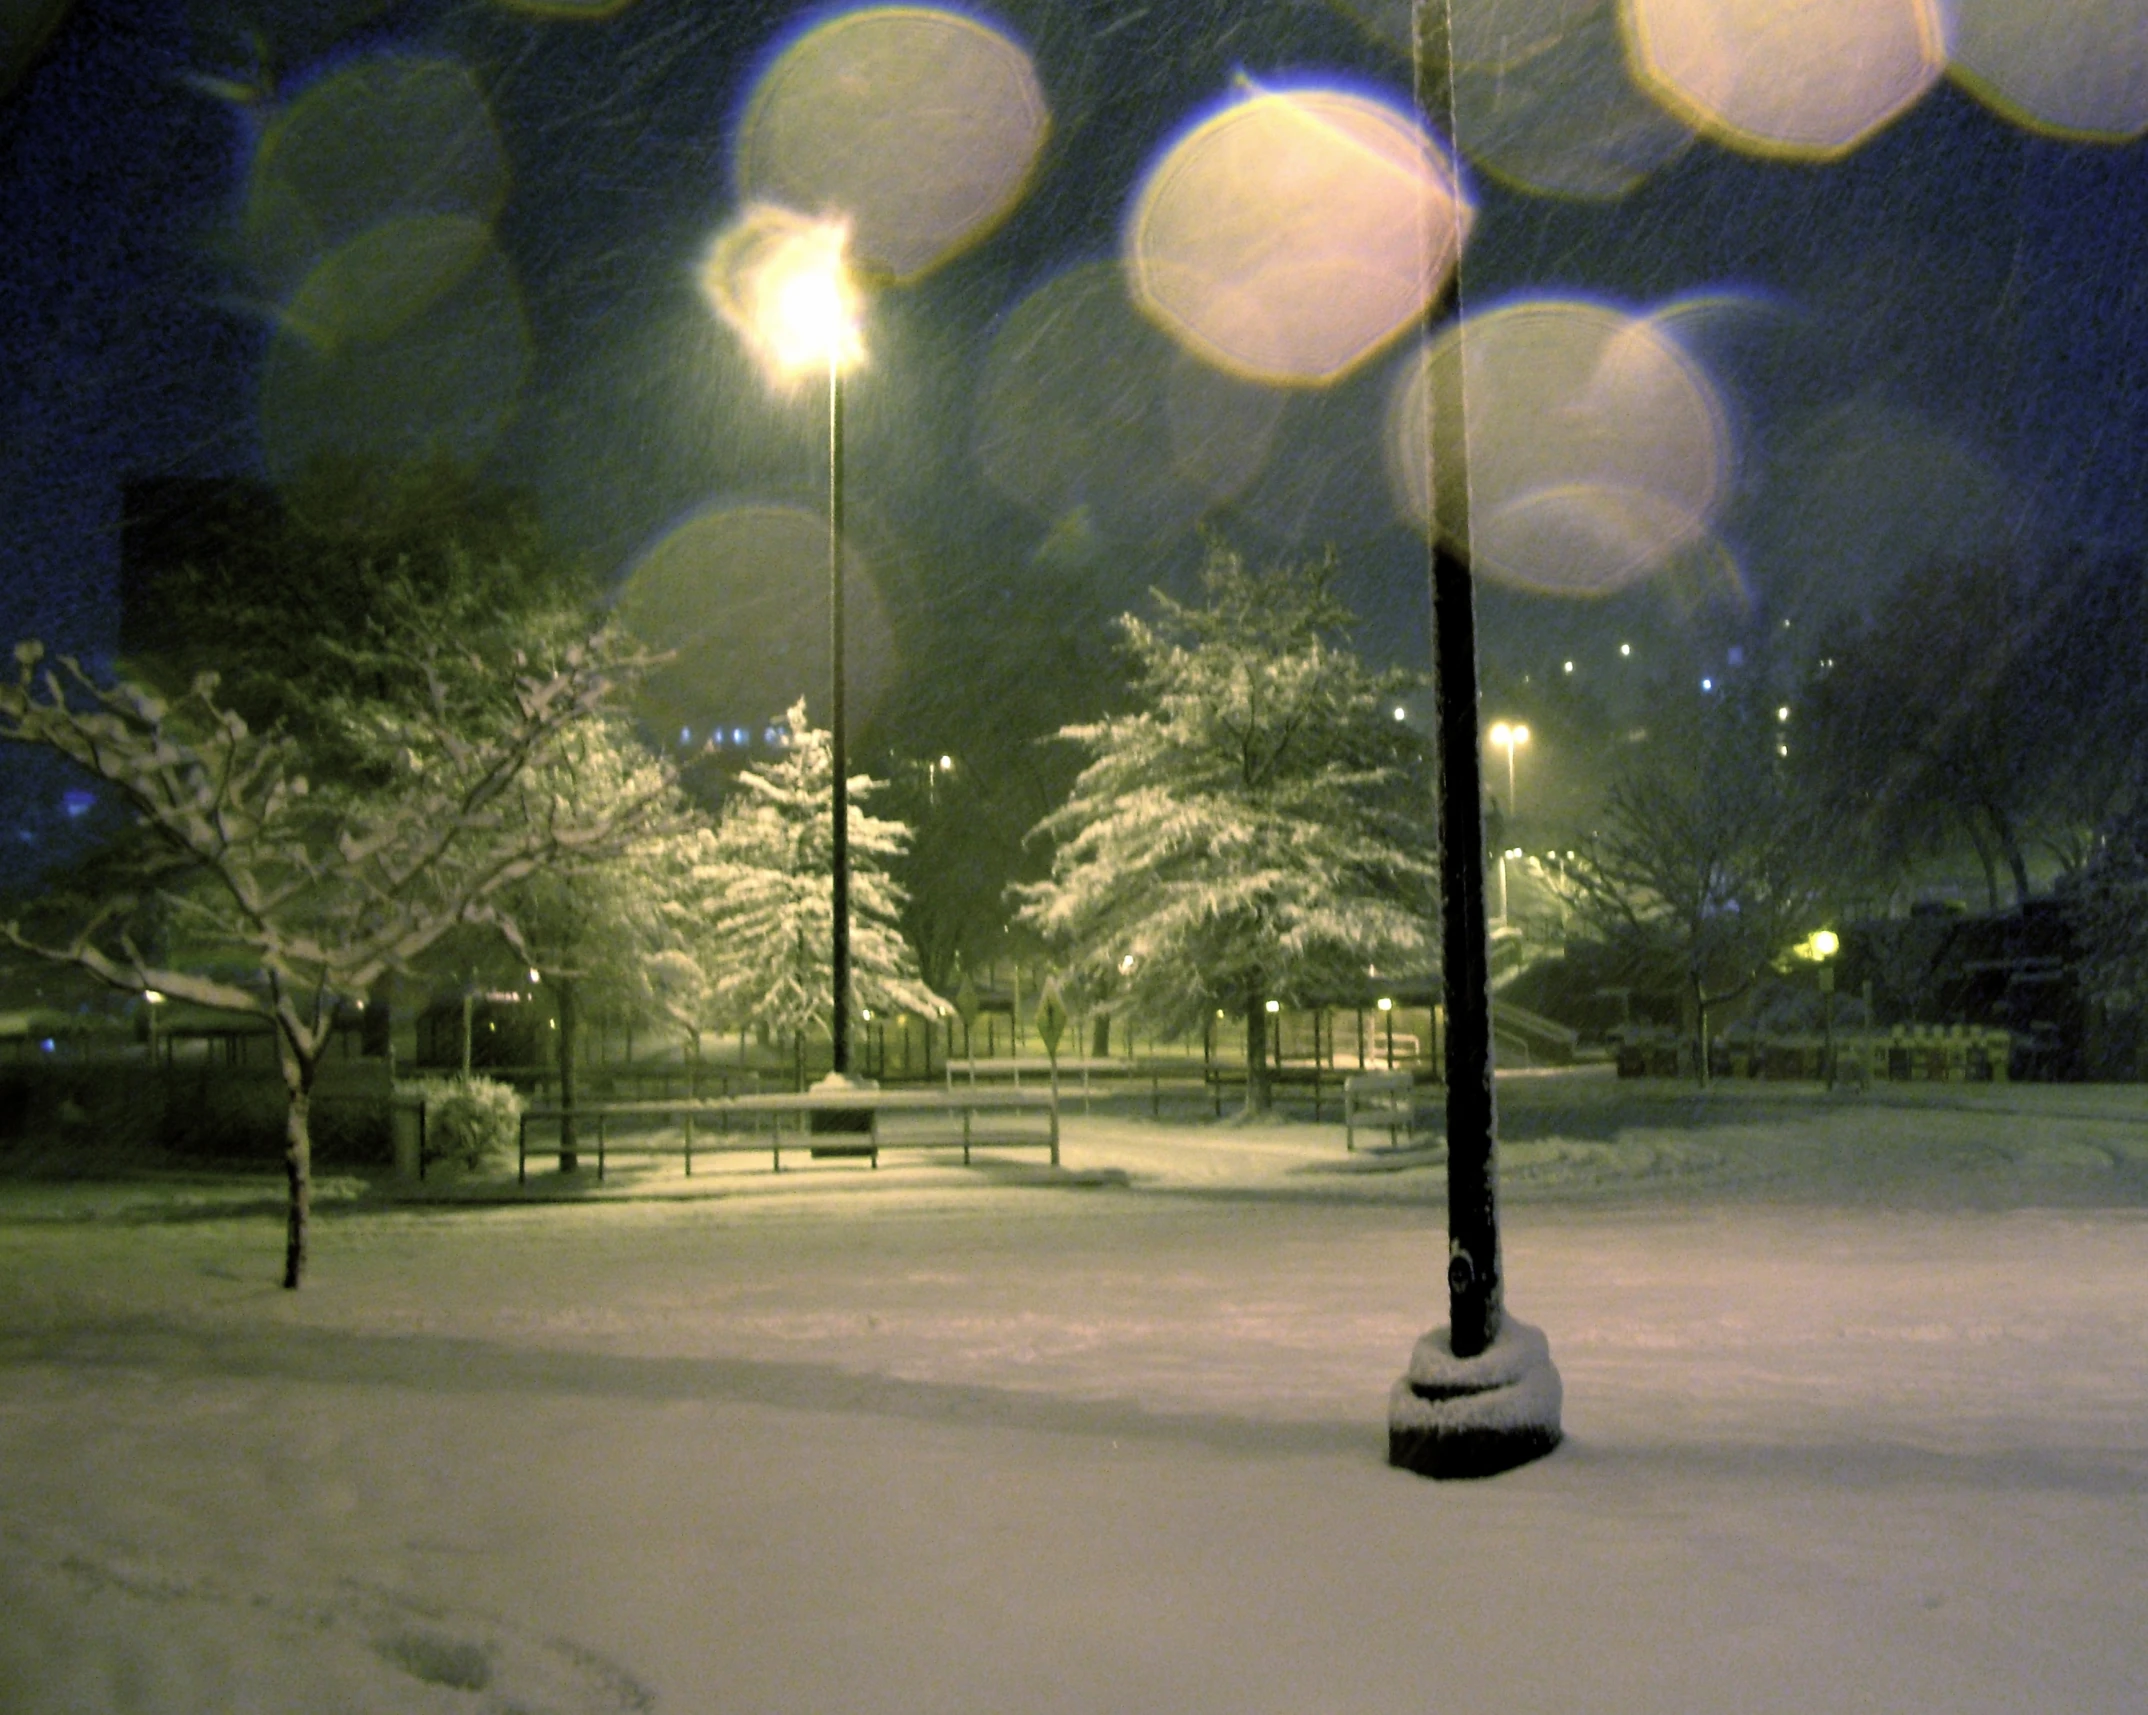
{"x": 1480, "y": 1395}
{"x": 1475, "y": 1417}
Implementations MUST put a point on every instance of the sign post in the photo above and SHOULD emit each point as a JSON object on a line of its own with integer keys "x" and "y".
{"x": 1051, "y": 1025}
{"x": 966, "y": 1005}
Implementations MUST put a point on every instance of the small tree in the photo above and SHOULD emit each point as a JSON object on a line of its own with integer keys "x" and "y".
{"x": 590, "y": 929}
{"x": 2108, "y": 911}
{"x": 313, "y": 894}
{"x": 1258, "y": 827}
{"x": 759, "y": 914}
{"x": 1709, "y": 866}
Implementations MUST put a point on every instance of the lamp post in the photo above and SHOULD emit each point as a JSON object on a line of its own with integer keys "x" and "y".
{"x": 1825, "y": 945}
{"x": 786, "y": 285}
{"x": 1510, "y": 852}
{"x": 1507, "y": 736}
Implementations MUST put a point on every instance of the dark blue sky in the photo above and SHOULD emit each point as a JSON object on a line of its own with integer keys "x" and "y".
{"x": 1932, "y": 344}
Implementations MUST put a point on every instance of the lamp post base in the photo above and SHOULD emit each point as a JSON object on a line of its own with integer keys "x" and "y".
{"x": 1475, "y": 1417}
{"x": 852, "y": 1120}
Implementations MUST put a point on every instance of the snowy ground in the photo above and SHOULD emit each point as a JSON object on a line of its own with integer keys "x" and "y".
{"x": 1857, "y": 1403}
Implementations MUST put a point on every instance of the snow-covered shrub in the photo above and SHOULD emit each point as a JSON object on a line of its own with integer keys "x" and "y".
{"x": 469, "y": 1121}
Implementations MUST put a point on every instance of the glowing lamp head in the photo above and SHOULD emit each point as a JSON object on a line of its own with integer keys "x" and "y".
{"x": 1825, "y": 944}
{"x": 1274, "y": 1006}
{"x": 784, "y": 284}
{"x": 1385, "y": 1005}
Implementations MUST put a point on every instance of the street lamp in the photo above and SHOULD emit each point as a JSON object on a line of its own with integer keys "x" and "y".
{"x": 1825, "y": 945}
{"x": 785, "y": 284}
{"x": 1508, "y": 737}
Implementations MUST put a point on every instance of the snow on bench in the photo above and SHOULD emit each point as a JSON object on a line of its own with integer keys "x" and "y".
{"x": 1379, "y": 1100}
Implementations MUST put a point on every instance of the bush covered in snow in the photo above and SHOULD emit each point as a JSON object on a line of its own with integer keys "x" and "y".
{"x": 469, "y": 1121}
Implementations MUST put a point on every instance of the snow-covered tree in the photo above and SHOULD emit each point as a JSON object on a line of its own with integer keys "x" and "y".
{"x": 760, "y": 915}
{"x": 312, "y": 894}
{"x": 590, "y": 930}
{"x": 1259, "y": 827}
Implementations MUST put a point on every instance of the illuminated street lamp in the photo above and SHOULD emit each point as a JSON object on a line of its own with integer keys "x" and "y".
{"x": 1510, "y": 852}
{"x": 1825, "y": 944}
{"x": 785, "y": 284}
{"x": 1508, "y": 738}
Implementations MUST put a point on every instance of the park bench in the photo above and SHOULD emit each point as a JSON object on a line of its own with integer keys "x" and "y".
{"x": 855, "y": 1123}
{"x": 1379, "y": 1101}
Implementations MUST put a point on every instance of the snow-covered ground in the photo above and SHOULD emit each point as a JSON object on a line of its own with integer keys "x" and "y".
{"x": 1857, "y": 1405}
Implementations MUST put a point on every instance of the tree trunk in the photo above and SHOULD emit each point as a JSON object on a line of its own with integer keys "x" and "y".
{"x": 1260, "y": 1096}
{"x": 1700, "y": 1036}
{"x": 2017, "y": 861}
{"x": 380, "y": 1022}
{"x": 569, "y": 1019}
{"x": 1991, "y": 866}
{"x": 299, "y": 1065}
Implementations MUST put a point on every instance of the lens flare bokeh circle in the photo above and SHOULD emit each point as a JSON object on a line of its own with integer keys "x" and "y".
{"x": 920, "y": 127}
{"x": 1566, "y": 446}
{"x": 1296, "y": 233}
{"x": 1809, "y": 81}
{"x": 1087, "y": 409}
{"x": 2067, "y": 68}
{"x": 385, "y": 136}
{"x": 739, "y": 596}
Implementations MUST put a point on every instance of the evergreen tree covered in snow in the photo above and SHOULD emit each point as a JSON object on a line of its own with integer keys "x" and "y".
{"x": 1259, "y": 827}
{"x": 760, "y": 915}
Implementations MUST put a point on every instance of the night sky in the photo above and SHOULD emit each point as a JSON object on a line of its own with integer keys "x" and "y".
{"x": 1930, "y": 346}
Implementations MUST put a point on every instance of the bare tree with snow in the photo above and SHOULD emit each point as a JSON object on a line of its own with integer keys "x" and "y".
{"x": 1710, "y": 862}
{"x": 312, "y": 895}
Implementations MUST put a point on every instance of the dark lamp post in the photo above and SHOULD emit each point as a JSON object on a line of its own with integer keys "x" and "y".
{"x": 786, "y": 284}
{"x": 1480, "y": 1395}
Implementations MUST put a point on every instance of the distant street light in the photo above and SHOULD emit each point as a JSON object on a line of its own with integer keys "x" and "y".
{"x": 1825, "y": 944}
{"x": 1510, "y": 852}
{"x": 784, "y": 283}
{"x": 1509, "y": 738}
